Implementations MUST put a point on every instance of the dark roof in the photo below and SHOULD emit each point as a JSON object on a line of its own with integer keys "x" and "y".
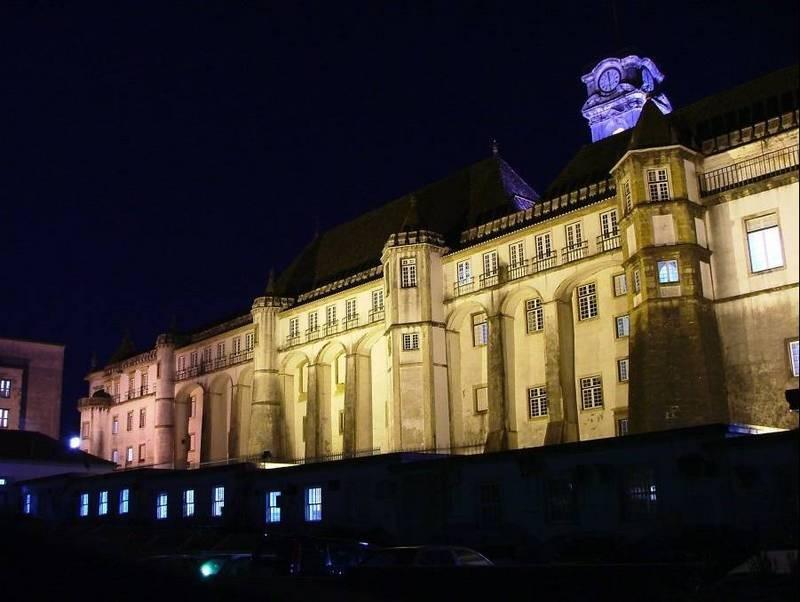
{"x": 751, "y": 102}
{"x": 473, "y": 195}
{"x": 652, "y": 130}
{"x": 33, "y": 446}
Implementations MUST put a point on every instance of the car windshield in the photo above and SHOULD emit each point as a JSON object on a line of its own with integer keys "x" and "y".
{"x": 471, "y": 558}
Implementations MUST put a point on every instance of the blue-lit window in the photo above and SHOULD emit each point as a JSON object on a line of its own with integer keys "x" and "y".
{"x": 83, "y": 505}
{"x": 124, "y": 498}
{"x": 217, "y": 501}
{"x": 623, "y": 326}
{"x": 764, "y": 243}
{"x": 668, "y": 271}
{"x": 313, "y": 504}
{"x": 161, "y": 506}
{"x": 102, "y": 503}
{"x": 480, "y": 330}
{"x": 27, "y": 503}
{"x": 640, "y": 495}
{"x": 274, "y": 507}
{"x": 188, "y": 503}
{"x": 3, "y": 481}
{"x": 5, "y": 387}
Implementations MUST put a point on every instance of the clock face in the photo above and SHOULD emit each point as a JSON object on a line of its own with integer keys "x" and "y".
{"x": 608, "y": 80}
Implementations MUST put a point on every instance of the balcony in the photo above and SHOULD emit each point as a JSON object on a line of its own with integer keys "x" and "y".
{"x": 189, "y": 372}
{"x": 330, "y": 328}
{"x": 608, "y": 241}
{"x": 220, "y": 362}
{"x": 312, "y": 334}
{"x": 138, "y": 392}
{"x": 489, "y": 279}
{"x": 520, "y": 270}
{"x": 575, "y": 251}
{"x": 376, "y": 314}
{"x": 545, "y": 261}
{"x": 751, "y": 170}
{"x": 293, "y": 339}
{"x": 462, "y": 287}
{"x": 350, "y": 321}
{"x": 240, "y": 356}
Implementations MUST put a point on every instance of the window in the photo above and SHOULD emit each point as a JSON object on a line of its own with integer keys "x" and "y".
{"x": 637, "y": 281}
{"x": 188, "y": 503}
{"x": 623, "y": 326}
{"x": 313, "y": 324}
{"x": 623, "y": 369}
{"x": 3, "y": 481}
{"x": 574, "y": 235}
{"x": 217, "y": 501}
{"x": 794, "y": 357}
{"x": 313, "y": 504}
{"x": 537, "y": 402}
{"x": 83, "y": 505}
{"x": 341, "y": 422}
{"x": 587, "y": 301}
{"x": 207, "y": 355}
{"x": 102, "y": 503}
{"x": 544, "y": 246}
{"x": 764, "y": 243}
{"x": 142, "y": 452}
{"x": 350, "y": 309}
{"x": 129, "y": 454}
{"x": 193, "y": 359}
{"x": 161, "y": 506}
{"x": 480, "y": 330}
{"x": 129, "y": 421}
{"x": 481, "y": 399}
{"x": 330, "y": 314}
{"x": 236, "y": 345}
{"x": 249, "y": 340}
{"x": 608, "y": 224}
{"x": 627, "y": 197}
{"x": 410, "y": 341}
{"x": 592, "y": 392}
{"x": 294, "y": 328}
{"x": 640, "y": 496}
{"x": 377, "y": 300}
{"x": 620, "y": 285}
{"x": 273, "y": 507}
{"x": 464, "y": 275}
{"x": 124, "y": 498}
{"x": 408, "y": 272}
{"x": 131, "y": 387}
{"x": 5, "y": 388}
{"x": 4, "y": 419}
{"x": 181, "y": 362}
{"x": 561, "y": 500}
{"x": 622, "y": 426}
{"x": 658, "y": 184}
{"x": 192, "y": 406}
{"x": 220, "y": 350}
{"x": 534, "y": 315}
{"x": 516, "y": 254}
{"x": 27, "y": 503}
{"x": 192, "y": 442}
{"x": 115, "y": 456}
{"x": 142, "y": 417}
{"x": 85, "y": 427}
{"x": 489, "y": 509}
{"x": 490, "y": 263}
{"x": 144, "y": 379}
{"x": 668, "y": 271}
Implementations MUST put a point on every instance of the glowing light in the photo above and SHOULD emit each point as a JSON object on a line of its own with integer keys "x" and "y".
{"x": 209, "y": 568}
{"x": 74, "y": 442}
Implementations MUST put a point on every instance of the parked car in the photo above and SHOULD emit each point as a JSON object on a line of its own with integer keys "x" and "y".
{"x": 309, "y": 556}
{"x": 425, "y": 556}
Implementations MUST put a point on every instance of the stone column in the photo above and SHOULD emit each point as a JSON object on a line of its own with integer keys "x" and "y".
{"x": 560, "y": 372}
{"x": 318, "y": 411}
{"x": 357, "y": 405}
{"x": 181, "y": 431}
{"x": 497, "y": 438}
{"x": 164, "y": 453}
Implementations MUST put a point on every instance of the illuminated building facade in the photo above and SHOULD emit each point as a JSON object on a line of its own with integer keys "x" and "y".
{"x": 652, "y": 286}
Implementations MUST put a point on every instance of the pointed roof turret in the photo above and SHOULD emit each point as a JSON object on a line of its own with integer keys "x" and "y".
{"x": 652, "y": 130}
{"x": 125, "y": 349}
{"x": 269, "y": 290}
{"x": 412, "y": 220}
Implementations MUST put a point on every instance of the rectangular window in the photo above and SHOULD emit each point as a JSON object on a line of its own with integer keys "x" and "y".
{"x": 620, "y": 285}
{"x": 640, "y": 496}
{"x": 85, "y": 427}
{"x": 490, "y": 263}
{"x": 273, "y": 507}
{"x": 544, "y": 246}
{"x": 537, "y": 402}
{"x": 516, "y": 254}
{"x": 217, "y": 501}
{"x": 181, "y": 364}
{"x": 129, "y": 454}
{"x": 236, "y": 345}
{"x": 623, "y": 326}
{"x": 591, "y": 392}
{"x": 480, "y": 330}
{"x": 313, "y": 324}
{"x": 330, "y": 314}
{"x": 192, "y": 442}
{"x": 131, "y": 387}
{"x": 658, "y": 184}
{"x": 350, "y": 309}
{"x": 313, "y": 504}
{"x": 102, "y": 503}
{"x": 207, "y": 355}
{"x": 408, "y": 272}
{"x": 482, "y": 399}
{"x": 220, "y": 350}
{"x": 5, "y": 388}
{"x": 574, "y": 235}
{"x": 27, "y": 503}
{"x": 188, "y": 503}
{"x": 249, "y": 340}
{"x": 124, "y": 498}
{"x": 161, "y": 506}
{"x": 608, "y": 224}
{"x": 115, "y": 456}
{"x": 764, "y": 243}
{"x": 534, "y": 315}
{"x": 623, "y": 370}
{"x": 294, "y": 328}
{"x": 145, "y": 381}
{"x": 142, "y": 417}
{"x": 464, "y": 273}
{"x": 193, "y": 359}
{"x": 410, "y": 341}
{"x": 794, "y": 357}
{"x": 4, "y": 419}
{"x": 142, "y": 452}
{"x": 129, "y": 421}
{"x": 637, "y": 281}
{"x": 622, "y": 426}
{"x": 83, "y": 505}
{"x": 587, "y": 301}
{"x": 668, "y": 271}
{"x": 627, "y": 196}
{"x": 192, "y": 407}
{"x": 377, "y": 300}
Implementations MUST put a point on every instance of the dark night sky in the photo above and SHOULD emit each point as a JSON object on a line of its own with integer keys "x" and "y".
{"x": 157, "y": 158}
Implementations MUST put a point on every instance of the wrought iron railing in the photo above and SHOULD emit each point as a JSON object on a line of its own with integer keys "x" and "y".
{"x": 608, "y": 241}
{"x": 376, "y": 314}
{"x": 330, "y": 328}
{"x": 312, "y": 334}
{"x": 240, "y": 356}
{"x": 574, "y": 251}
{"x": 750, "y": 170}
{"x": 292, "y": 339}
{"x": 462, "y": 287}
{"x": 518, "y": 270}
{"x": 350, "y": 321}
{"x": 489, "y": 279}
{"x": 545, "y": 261}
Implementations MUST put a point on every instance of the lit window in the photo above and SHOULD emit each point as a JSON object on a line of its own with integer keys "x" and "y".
{"x": 591, "y": 392}
{"x": 273, "y": 507}
{"x": 313, "y": 504}
{"x": 410, "y": 341}
{"x": 220, "y": 350}
{"x": 3, "y": 481}
{"x": 464, "y": 272}
{"x": 115, "y": 425}
{"x": 3, "y": 418}
{"x": 658, "y": 184}
{"x": 102, "y": 503}
{"x": 115, "y": 456}
{"x": 129, "y": 421}
{"x": 668, "y": 271}
{"x": 537, "y": 402}
{"x": 544, "y": 247}
{"x": 627, "y": 196}
{"x": 206, "y": 355}
{"x": 516, "y": 254}
{"x": 124, "y": 498}
{"x": 764, "y": 243}
{"x": 236, "y": 345}
{"x": 620, "y": 285}
{"x": 142, "y": 452}
{"x": 640, "y": 496}
{"x": 188, "y": 503}
{"x": 350, "y": 313}
{"x": 534, "y": 315}
{"x": 5, "y": 387}
{"x": 217, "y": 501}
{"x": 313, "y": 323}
{"x": 622, "y": 426}
{"x": 294, "y": 328}
{"x": 142, "y": 417}
{"x": 129, "y": 454}
{"x": 608, "y": 224}
{"x": 27, "y": 503}
{"x": 330, "y": 315}
{"x": 587, "y": 301}
{"x": 408, "y": 272}
{"x": 490, "y": 263}
{"x": 480, "y": 330}
{"x": 249, "y": 341}
{"x": 623, "y": 326}
{"x": 83, "y": 505}
{"x": 377, "y": 300}
{"x": 84, "y": 430}
{"x": 794, "y": 357}
{"x": 161, "y": 506}
{"x": 623, "y": 370}
{"x": 637, "y": 281}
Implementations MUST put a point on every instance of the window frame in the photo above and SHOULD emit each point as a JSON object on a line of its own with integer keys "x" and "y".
{"x": 626, "y": 362}
{"x": 625, "y": 319}
{"x": 187, "y": 503}
{"x": 673, "y": 278}
{"x": 408, "y": 272}
{"x": 667, "y": 181}
{"x": 410, "y": 341}
{"x": 4, "y": 418}
{"x": 313, "y": 504}
{"x": 217, "y": 501}
{"x": 123, "y": 499}
{"x": 482, "y": 327}
{"x": 794, "y": 365}
{"x": 749, "y": 246}
{"x": 102, "y": 503}
{"x": 273, "y": 507}
{"x": 83, "y": 504}
{"x": 591, "y": 386}
{"x": 616, "y": 289}
{"x": 538, "y": 395}
{"x": 162, "y": 505}
{"x": 5, "y": 388}
{"x": 592, "y": 309}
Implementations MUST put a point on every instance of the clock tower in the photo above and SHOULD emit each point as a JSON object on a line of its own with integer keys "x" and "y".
{"x": 618, "y": 90}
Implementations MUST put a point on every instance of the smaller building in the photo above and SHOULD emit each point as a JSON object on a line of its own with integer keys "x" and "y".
{"x": 31, "y": 374}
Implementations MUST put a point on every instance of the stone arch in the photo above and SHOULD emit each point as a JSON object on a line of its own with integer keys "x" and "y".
{"x": 240, "y": 413}
{"x": 189, "y": 404}
{"x": 374, "y": 392}
{"x": 457, "y": 316}
{"x": 509, "y": 304}
{"x": 567, "y": 286}
{"x": 294, "y": 392}
{"x": 326, "y": 398}
{"x": 216, "y": 420}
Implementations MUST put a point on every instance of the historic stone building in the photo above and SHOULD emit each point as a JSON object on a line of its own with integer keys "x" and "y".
{"x": 654, "y": 285}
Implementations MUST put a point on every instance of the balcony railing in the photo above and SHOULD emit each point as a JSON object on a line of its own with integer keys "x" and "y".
{"x": 574, "y": 251}
{"x": 462, "y": 287}
{"x": 608, "y": 241}
{"x": 240, "y": 356}
{"x": 751, "y": 170}
{"x": 138, "y": 392}
{"x": 545, "y": 261}
{"x": 489, "y": 279}
{"x": 376, "y": 314}
{"x": 350, "y": 322}
{"x": 519, "y": 270}
{"x": 217, "y": 363}
{"x": 312, "y": 334}
{"x": 330, "y": 328}
{"x": 220, "y": 362}
{"x": 293, "y": 339}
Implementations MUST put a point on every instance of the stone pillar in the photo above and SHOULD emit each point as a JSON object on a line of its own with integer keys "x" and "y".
{"x": 357, "y": 405}
{"x": 497, "y": 438}
{"x": 164, "y": 453}
{"x": 318, "y": 411}
{"x": 266, "y": 415}
{"x": 181, "y": 432}
{"x": 560, "y": 372}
